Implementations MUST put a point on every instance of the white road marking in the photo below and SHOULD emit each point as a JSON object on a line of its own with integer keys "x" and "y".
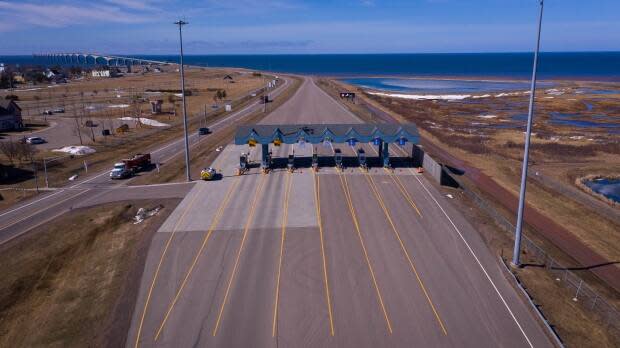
{"x": 477, "y": 261}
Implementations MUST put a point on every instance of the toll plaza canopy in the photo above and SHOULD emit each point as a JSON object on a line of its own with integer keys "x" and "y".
{"x": 335, "y": 133}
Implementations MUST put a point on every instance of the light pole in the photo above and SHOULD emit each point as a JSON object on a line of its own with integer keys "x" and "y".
{"x": 526, "y": 155}
{"x": 181, "y": 23}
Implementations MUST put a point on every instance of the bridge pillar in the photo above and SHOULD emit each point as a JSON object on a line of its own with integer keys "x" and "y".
{"x": 386, "y": 155}
{"x": 265, "y": 156}
{"x": 380, "y": 151}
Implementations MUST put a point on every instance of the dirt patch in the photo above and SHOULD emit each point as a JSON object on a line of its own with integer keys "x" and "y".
{"x": 74, "y": 281}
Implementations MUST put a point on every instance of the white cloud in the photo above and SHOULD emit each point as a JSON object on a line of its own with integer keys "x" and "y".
{"x": 20, "y": 15}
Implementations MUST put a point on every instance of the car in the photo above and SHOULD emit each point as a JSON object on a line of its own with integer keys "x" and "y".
{"x": 48, "y": 112}
{"x": 208, "y": 174}
{"x": 35, "y": 140}
{"x": 203, "y": 131}
{"x": 59, "y": 111}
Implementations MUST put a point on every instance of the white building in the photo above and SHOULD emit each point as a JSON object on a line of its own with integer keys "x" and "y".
{"x": 101, "y": 73}
{"x": 1, "y": 68}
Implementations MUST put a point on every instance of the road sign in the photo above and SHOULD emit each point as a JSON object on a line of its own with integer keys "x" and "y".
{"x": 252, "y": 142}
{"x": 402, "y": 141}
{"x": 352, "y": 142}
{"x": 377, "y": 141}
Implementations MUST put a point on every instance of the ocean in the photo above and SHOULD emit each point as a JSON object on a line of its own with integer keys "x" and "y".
{"x": 553, "y": 65}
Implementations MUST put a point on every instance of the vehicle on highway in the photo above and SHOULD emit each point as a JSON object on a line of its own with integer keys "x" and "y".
{"x": 203, "y": 131}
{"x": 208, "y": 174}
{"x": 120, "y": 171}
{"x": 128, "y": 167}
{"x": 59, "y": 111}
{"x": 35, "y": 140}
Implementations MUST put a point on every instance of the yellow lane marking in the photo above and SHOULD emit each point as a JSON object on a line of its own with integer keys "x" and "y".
{"x": 347, "y": 193}
{"x": 404, "y": 191}
{"x": 379, "y": 198}
{"x": 317, "y": 200}
{"x": 161, "y": 260}
{"x": 214, "y": 223}
{"x": 287, "y": 192}
{"x": 245, "y": 233}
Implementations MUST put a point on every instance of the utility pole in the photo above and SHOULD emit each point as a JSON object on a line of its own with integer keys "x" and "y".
{"x": 181, "y": 23}
{"x": 526, "y": 155}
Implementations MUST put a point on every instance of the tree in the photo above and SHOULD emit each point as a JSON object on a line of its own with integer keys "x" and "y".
{"x": 9, "y": 149}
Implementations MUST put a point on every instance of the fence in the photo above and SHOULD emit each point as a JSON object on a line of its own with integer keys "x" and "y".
{"x": 583, "y": 293}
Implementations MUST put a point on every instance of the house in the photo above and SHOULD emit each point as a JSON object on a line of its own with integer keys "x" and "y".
{"x": 10, "y": 115}
{"x": 156, "y": 106}
{"x": 100, "y": 73}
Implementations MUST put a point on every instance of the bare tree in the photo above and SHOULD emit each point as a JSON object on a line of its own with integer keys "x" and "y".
{"x": 9, "y": 149}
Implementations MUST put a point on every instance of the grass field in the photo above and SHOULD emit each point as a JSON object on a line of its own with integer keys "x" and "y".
{"x": 73, "y": 283}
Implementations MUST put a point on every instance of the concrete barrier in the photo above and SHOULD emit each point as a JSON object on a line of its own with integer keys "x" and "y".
{"x": 435, "y": 169}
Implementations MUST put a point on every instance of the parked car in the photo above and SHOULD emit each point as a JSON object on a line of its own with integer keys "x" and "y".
{"x": 35, "y": 140}
{"x": 203, "y": 131}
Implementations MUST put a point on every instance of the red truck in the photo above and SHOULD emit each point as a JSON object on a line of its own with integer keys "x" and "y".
{"x": 127, "y": 167}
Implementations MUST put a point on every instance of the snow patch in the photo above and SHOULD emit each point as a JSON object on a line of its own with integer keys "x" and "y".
{"x": 76, "y": 150}
{"x": 423, "y": 96}
{"x": 147, "y": 121}
{"x": 487, "y": 116}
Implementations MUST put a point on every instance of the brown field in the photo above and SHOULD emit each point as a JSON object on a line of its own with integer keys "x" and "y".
{"x": 73, "y": 283}
{"x": 138, "y": 138}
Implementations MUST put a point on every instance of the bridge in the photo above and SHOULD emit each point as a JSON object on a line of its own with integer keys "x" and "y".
{"x": 94, "y": 59}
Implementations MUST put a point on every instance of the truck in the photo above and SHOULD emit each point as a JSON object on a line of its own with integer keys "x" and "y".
{"x": 129, "y": 166}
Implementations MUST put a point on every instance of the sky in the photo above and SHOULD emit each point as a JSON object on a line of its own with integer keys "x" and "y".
{"x": 304, "y": 26}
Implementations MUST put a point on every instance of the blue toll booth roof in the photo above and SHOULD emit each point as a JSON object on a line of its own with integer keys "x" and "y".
{"x": 335, "y": 133}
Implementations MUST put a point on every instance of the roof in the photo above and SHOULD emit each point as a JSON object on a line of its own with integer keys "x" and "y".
{"x": 5, "y": 105}
{"x": 335, "y": 133}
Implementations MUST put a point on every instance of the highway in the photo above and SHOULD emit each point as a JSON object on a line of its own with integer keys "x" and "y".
{"x": 98, "y": 188}
{"x": 327, "y": 259}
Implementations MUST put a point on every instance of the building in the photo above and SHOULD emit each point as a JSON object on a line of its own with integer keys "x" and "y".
{"x": 2, "y": 67}
{"x": 100, "y": 73}
{"x": 10, "y": 115}
{"x": 156, "y": 106}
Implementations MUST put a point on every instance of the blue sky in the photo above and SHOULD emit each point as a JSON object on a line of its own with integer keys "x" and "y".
{"x": 303, "y": 26}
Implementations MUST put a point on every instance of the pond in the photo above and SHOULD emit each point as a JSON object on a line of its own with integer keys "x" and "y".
{"x": 609, "y": 188}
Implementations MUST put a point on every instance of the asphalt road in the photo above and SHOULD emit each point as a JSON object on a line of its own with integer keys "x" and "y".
{"x": 96, "y": 187}
{"x": 324, "y": 259}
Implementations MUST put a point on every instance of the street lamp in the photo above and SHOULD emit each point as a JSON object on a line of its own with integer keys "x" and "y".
{"x": 181, "y": 23}
{"x": 526, "y": 155}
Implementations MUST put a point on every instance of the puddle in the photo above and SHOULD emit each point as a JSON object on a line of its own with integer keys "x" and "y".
{"x": 609, "y": 188}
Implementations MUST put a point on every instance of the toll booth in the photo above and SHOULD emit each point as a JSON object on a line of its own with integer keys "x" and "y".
{"x": 338, "y": 158}
{"x": 290, "y": 165}
{"x": 315, "y": 161}
{"x": 243, "y": 164}
{"x": 361, "y": 158}
{"x": 380, "y": 135}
